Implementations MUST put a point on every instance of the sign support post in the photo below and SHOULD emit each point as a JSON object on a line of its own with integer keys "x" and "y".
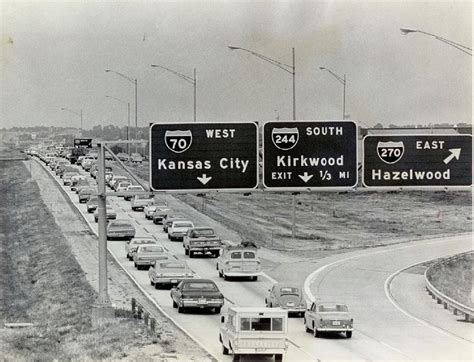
{"x": 103, "y": 309}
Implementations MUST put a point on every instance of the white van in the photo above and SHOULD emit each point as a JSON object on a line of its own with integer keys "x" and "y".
{"x": 249, "y": 331}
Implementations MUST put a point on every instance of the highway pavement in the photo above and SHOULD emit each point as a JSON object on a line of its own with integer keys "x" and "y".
{"x": 382, "y": 329}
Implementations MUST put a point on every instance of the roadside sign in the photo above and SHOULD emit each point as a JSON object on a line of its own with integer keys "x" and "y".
{"x": 309, "y": 155}
{"x": 203, "y": 156}
{"x": 83, "y": 142}
{"x": 421, "y": 161}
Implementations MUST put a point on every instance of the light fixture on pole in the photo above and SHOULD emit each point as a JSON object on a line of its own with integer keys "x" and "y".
{"x": 286, "y": 67}
{"x": 184, "y": 77}
{"x": 458, "y": 46}
{"x": 342, "y": 80}
{"x": 135, "y": 82}
{"x": 75, "y": 112}
{"x": 128, "y": 117}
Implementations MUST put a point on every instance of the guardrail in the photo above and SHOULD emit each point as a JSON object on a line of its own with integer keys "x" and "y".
{"x": 444, "y": 299}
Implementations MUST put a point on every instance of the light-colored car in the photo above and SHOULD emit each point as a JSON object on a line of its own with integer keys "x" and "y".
{"x": 169, "y": 220}
{"x": 178, "y": 229}
{"x": 109, "y": 212}
{"x": 197, "y": 293}
{"x": 286, "y": 296}
{"x": 147, "y": 255}
{"x": 118, "y": 182}
{"x": 67, "y": 177}
{"x": 254, "y": 331}
{"x": 149, "y": 210}
{"x": 75, "y": 180}
{"x": 132, "y": 245}
{"x": 328, "y": 317}
{"x": 169, "y": 273}
{"x": 239, "y": 261}
{"x": 116, "y": 178}
{"x": 87, "y": 163}
{"x": 140, "y": 201}
{"x": 92, "y": 204}
{"x": 130, "y": 190}
{"x": 119, "y": 229}
{"x": 136, "y": 158}
{"x": 121, "y": 186}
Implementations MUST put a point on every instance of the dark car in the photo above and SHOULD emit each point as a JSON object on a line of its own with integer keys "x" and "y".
{"x": 86, "y": 193}
{"x": 287, "y": 296}
{"x": 197, "y": 293}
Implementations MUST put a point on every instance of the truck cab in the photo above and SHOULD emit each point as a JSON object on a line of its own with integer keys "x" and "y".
{"x": 254, "y": 331}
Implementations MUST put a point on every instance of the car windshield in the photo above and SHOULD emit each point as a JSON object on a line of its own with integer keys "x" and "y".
{"x": 289, "y": 290}
{"x": 183, "y": 225}
{"x": 143, "y": 197}
{"x": 203, "y": 232}
{"x": 328, "y": 308}
{"x": 200, "y": 286}
{"x": 151, "y": 249}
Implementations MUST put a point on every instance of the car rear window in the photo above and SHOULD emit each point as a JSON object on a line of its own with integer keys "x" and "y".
{"x": 332, "y": 308}
{"x": 289, "y": 290}
{"x": 236, "y": 255}
{"x": 261, "y": 324}
{"x": 249, "y": 255}
{"x": 124, "y": 223}
{"x": 151, "y": 249}
{"x": 144, "y": 242}
{"x": 203, "y": 232}
{"x": 183, "y": 225}
{"x": 172, "y": 266}
{"x": 200, "y": 286}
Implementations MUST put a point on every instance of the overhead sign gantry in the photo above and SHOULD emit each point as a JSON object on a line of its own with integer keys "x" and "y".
{"x": 203, "y": 156}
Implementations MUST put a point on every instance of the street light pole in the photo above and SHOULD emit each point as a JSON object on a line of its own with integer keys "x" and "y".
{"x": 75, "y": 112}
{"x": 341, "y": 80}
{"x": 286, "y": 67}
{"x": 135, "y": 82}
{"x": 458, "y": 46}
{"x": 128, "y": 117}
{"x": 185, "y": 78}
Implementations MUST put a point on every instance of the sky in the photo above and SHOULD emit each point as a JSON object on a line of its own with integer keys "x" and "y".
{"x": 54, "y": 55}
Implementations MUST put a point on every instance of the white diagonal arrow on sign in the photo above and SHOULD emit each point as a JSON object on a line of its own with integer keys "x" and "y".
{"x": 455, "y": 153}
{"x": 305, "y": 177}
{"x": 204, "y": 179}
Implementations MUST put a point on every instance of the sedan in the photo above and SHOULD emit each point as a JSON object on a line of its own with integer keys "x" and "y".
{"x": 148, "y": 255}
{"x": 132, "y": 245}
{"x": 110, "y": 214}
{"x": 160, "y": 214}
{"x": 149, "y": 211}
{"x": 197, "y": 293}
{"x": 120, "y": 229}
{"x": 169, "y": 273}
{"x": 286, "y": 296}
{"x": 129, "y": 191}
{"x": 328, "y": 317}
{"x": 85, "y": 193}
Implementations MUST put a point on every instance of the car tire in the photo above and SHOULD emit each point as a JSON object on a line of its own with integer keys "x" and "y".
{"x": 225, "y": 350}
{"x": 180, "y": 309}
{"x": 278, "y": 357}
{"x": 236, "y": 357}
{"x": 186, "y": 251}
{"x": 221, "y": 275}
{"x": 136, "y": 265}
{"x": 191, "y": 254}
{"x": 349, "y": 334}
{"x": 217, "y": 310}
{"x": 306, "y": 326}
{"x": 316, "y": 333}
{"x": 157, "y": 286}
{"x": 225, "y": 276}
{"x": 255, "y": 278}
{"x": 151, "y": 283}
{"x": 175, "y": 305}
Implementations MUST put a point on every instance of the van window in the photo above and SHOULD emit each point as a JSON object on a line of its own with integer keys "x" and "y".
{"x": 236, "y": 255}
{"x": 249, "y": 255}
{"x": 261, "y": 324}
{"x": 245, "y": 324}
{"x": 277, "y": 324}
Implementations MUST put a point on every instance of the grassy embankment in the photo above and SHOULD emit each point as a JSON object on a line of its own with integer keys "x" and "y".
{"x": 42, "y": 283}
{"x": 454, "y": 278}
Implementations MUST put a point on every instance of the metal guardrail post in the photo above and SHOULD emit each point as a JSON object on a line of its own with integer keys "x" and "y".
{"x": 152, "y": 324}
{"x": 134, "y": 305}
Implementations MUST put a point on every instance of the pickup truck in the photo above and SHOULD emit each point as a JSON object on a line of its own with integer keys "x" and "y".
{"x": 254, "y": 331}
{"x": 201, "y": 240}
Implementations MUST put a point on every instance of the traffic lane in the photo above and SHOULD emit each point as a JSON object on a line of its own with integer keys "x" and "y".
{"x": 360, "y": 283}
